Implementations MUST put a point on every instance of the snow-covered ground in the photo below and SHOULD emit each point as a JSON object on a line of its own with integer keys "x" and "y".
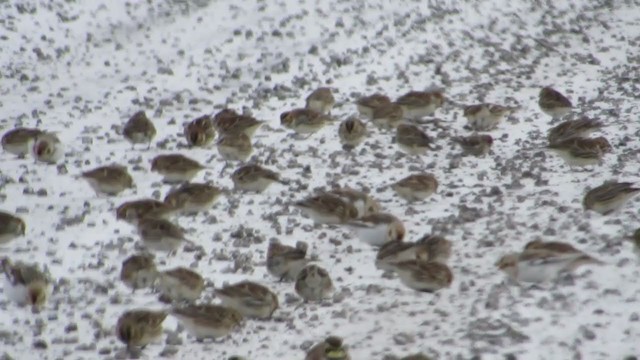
{"x": 82, "y": 68}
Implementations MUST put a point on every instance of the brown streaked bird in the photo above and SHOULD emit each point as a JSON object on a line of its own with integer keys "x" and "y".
{"x": 193, "y": 197}
{"x": 313, "y": 283}
{"x": 26, "y": 283}
{"x": 19, "y": 141}
{"x": 109, "y": 180}
{"x": 303, "y": 121}
{"x": 387, "y": 116}
{"x": 11, "y": 227}
{"x": 253, "y": 177}
{"x": 206, "y": 321}
{"x": 541, "y": 265}
{"x": 228, "y": 121}
{"x": 234, "y": 146}
{"x": 331, "y": 348}
{"x": 351, "y": 132}
{"x": 363, "y": 202}
{"x": 378, "y": 229}
{"x": 321, "y": 100}
{"x": 573, "y": 129}
{"x": 477, "y": 145}
{"x": 412, "y": 139}
{"x": 139, "y": 328}
{"x": 133, "y": 211}
{"x": 417, "y": 104}
{"x": 180, "y": 284}
{"x": 327, "y": 208}
{"x": 139, "y": 271}
{"x": 284, "y": 261}
{"x": 160, "y": 234}
{"x": 250, "y": 299}
{"x": 486, "y": 117}
{"x": 397, "y": 251}
{"x": 555, "y": 246}
{"x": 200, "y": 131}
{"x": 425, "y": 276}
{"x": 139, "y": 130}
{"x": 434, "y": 248}
{"x": 579, "y": 151}
{"x": 416, "y": 187}
{"x": 553, "y": 103}
{"x": 368, "y": 104}
{"x": 176, "y": 168}
{"x": 609, "y": 197}
{"x": 47, "y": 148}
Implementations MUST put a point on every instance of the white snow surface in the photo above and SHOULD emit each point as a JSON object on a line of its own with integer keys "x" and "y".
{"x": 82, "y": 68}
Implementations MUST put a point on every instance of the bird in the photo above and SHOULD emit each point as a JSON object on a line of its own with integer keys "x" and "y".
{"x": 351, "y": 132}
{"x": 539, "y": 265}
{"x": 179, "y": 284}
{"x": 234, "y": 146}
{"x": 139, "y": 130}
{"x": 11, "y": 227}
{"x": 193, "y": 197}
{"x": 331, "y": 348}
{"x": 477, "y": 145}
{"x": 25, "y": 283}
{"x": 326, "y": 208}
{"x": 228, "y": 121}
{"x": 200, "y": 131}
{"x": 580, "y": 151}
{"x": 133, "y": 211}
{"x": 486, "y": 116}
{"x": 412, "y": 139}
{"x": 140, "y": 327}
{"x": 47, "y": 148}
{"x": 553, "y": 103}
{"x": 254, "y": 178}
{"x": 397, "y": 251}
{"x": 139, "y": 271}
{"x": 368, "y": 104}
{"x": 109, "y": 180}
{"x": 417, "y": 104}
{"x": 364, "y": 203}
{"x": 609, "y": 197}
{"x": 176, "y": 168}
{"x": 425, "y": 276}
{"x": 160, "y": 234}
{"x": 387, "y": 116}
{"x": 321, "y": 100}
{"x": 378, "y": 229}
{"x": 416, "y": 187}
{"x": 433, "y": 248}
{"x": 206, "y": 321}
{"x": 18, "y": 141}
{"x": 553, "y": 246}
{"x": 573, "y": 129}
{"x": 284, "y": 261}
{"x": 303, "y": 121}
{"x": 313, "y": 283}
{"x": 249, "y": 298}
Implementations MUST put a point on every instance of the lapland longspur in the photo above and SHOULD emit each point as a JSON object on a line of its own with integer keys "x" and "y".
{"x": 313, "y": 283}
{"x": 539, "y": 265}
{"x": 180, "y": 284}
{"x": 378, "y": 229}
{"x": 176, "y": 168}
{"x": 109, "y": 180}
{"x": 303, "y": 121}
{"x": 25, "y": 283}
{"x": 253, "y": 177}
{"x": 11, "y": 227}
{"x": 159, "y": 234}
{"x": 412, "y": 139}
{"x": 486, "y": 117}
{"x": 351, "y": 132}
{"x": 47, "y": 148}
{"x": 133, "y": 211}
{"x": 139, "y": 130}
{"x": 553, "y": 103}
{"x": 425, "y": 276}
{"x": 327, "y": 208}
{"x": 138, "y": 328}
{"x": 139, "y": 271}
{"x": 416, "y": 187}
{"x": 19, "y": 141}
{"x": 228, "y": 122}
{"x": 193, "y": 197}
{"x": 321, "y": 100}
{"x": 364, "y": 203}
{"x": 284, "y": 261}
{"x": 250, "y": 299}
{"x": 368, "y": 104}
{"x": 573, "y": 129}
{"x": 477, "y": 145}
{"x": 609, "y": 197}
{"x": 207, "y": 321}
{"x": 200, "y": 131}
{"x": 581, "y": 151}
{"x": 417, "y": 104}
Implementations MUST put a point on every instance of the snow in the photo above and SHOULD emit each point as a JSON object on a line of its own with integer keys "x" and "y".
{"x": 100, "y": 61}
